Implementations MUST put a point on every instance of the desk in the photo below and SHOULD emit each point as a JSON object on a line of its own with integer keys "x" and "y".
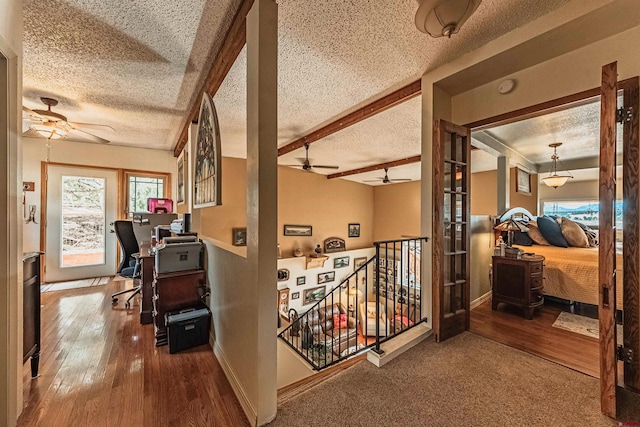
{"x": 147, "y": 262}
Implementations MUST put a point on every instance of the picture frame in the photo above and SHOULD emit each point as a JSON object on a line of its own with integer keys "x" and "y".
{"x": 523, "y": 182}
{"x": 354, "y": 230}
{"x": 239, "y": 236}
{"x": 295, "y": 295}
{"x": 341, "y": 262}
{"x": 326, "y": 277}
{"x": 301, "y": 280}
{"x": 334, "y": 244}
{"x": 283, "y": 274}
{"x": 183, "y": 173}
{"x": 359, "y": 262}
{"x": 206, "y": 158}
{"x": 298, "y": 230}
{"x": 313, "y": 295}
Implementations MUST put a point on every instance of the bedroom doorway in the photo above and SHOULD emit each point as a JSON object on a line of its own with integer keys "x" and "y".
{"x": 507, "y": 324}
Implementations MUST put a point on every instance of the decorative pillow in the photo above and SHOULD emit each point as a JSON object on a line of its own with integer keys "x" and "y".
{"x": 522, "y": 239}
{"x": 592, "y": 235}
{"x": 574, "y": 234}
{"x": 535, "y": 234}
{"x": 551, "y": 231}
{"x": 340, "y": 321}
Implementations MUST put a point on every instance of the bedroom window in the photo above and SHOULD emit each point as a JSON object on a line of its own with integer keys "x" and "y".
{"x": 584, "y": 211}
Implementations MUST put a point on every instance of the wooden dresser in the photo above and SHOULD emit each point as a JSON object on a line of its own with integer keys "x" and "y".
{"x": 518, "y": 282}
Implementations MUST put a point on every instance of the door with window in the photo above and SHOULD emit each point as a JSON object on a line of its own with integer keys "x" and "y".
{"x": 81, "y": 203}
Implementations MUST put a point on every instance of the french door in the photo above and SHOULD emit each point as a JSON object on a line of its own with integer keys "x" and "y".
{"x": 81, "y": 203}
{"x": 451, "y": 238}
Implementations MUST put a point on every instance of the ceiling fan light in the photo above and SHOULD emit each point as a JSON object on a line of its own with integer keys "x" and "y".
{"x": 49, "y": 132}
{"x": 440, "y": 18}
{"x": 555, "y": 181}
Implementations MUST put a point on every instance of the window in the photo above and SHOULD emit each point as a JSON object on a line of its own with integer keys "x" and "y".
{"x": 141, "y": 187}
{"x": 584, "y": 211}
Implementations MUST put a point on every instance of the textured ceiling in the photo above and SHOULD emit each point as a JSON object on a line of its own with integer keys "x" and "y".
{"x": 135, "y": 65}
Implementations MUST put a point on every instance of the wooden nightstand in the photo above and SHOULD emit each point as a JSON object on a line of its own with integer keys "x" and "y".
{"x": 518, "y": 282}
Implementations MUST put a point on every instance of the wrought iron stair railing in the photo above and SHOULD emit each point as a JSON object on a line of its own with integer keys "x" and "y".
{"x": 379, "y": 300}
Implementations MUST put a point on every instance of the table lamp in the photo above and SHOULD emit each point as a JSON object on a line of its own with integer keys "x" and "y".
{"x": 353, "y": 294}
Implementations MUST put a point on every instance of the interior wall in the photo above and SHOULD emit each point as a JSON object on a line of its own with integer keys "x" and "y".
{"x": 10, "y": 188}
{"x": 396, "y": 211}
{"x": 104, "y": 155}
{"x": 484, "y": 193}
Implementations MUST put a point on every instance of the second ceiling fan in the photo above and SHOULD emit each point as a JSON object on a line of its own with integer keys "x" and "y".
{"x": 386, "y": 179}
{"x": 306, "y": 164}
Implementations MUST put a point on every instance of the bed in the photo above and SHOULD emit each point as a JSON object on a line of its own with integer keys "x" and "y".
{"x": 570, "y": 273}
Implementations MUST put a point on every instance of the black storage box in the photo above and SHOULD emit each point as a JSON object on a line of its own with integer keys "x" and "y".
{"x": 187, "y": 328}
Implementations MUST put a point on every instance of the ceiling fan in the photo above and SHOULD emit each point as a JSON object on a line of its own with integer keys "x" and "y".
{"x": 386, "y": 180}
{"x": 306, "y": 165}
{"x": 51, "y": 125}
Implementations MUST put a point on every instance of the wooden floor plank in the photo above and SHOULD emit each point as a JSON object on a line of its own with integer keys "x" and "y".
{"x": 99, "y": 366}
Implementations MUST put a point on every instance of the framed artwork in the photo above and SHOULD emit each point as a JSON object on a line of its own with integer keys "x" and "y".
{"x": 313, "y": 295}
{"x": 334, "y": 244}
{"x": 359, "y": 262}
{"x": 239, "y": 237}
{"x": 283, "y": 275}
{"x": 295, "y": 295}
{"x": 301, "y": 280}
{"x": 181, "y": 197}
{"x": 354, "y": 230}
{"x": 206, "y": 157}
{"x": 298, "y": 230}
{"x": 341, "y": 262}
{"x": 523, "y": 183}
{"x": 327, "y": 277}
{"x": 283, "y": 300}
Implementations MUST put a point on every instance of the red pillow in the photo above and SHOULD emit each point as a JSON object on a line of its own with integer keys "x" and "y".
{"x": 340, "y": 321}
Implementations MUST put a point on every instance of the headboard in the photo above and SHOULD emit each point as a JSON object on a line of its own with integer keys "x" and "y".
{"x": 517, "y": 214}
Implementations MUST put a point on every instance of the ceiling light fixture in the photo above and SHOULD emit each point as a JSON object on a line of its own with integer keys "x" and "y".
{"x": 554, "y": 180}
{"x": 49, "y": 131}
{"x": 440, "y": 18}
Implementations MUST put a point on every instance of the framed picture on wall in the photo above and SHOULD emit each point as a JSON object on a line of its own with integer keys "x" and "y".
{"x": 358, "y": 262}
{"x": 206, "y": 157}
{"x": 354, "y": 230}
{"x": 523, "y": 182}
{"x": 239, "y": 237}
{"x": 327, "y": 277}
{"x": 181, "y": 197}
{"x": 313, "y": 295}
{"x": 301, "y": 280}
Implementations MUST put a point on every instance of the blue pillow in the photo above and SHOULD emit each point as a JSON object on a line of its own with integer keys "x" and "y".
{"x": 522, "y": 239}
{"x": 551, "y": 231}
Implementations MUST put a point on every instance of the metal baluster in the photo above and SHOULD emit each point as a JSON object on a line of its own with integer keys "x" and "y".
{"x": 377, "y": 278}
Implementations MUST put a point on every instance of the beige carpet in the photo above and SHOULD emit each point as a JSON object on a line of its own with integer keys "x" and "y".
{"x": 465, "y": 381}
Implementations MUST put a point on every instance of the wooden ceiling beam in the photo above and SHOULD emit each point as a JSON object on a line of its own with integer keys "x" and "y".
{"x": 399, "y": 96}
{"x": 406, "y": 161}
{"x": 232, "y": 45}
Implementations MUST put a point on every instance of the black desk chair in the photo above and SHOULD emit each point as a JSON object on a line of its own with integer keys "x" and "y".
{"x": 129, "y": 265}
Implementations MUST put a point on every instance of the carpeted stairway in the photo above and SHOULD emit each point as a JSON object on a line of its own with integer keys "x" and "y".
{"x": 465, "y": 381}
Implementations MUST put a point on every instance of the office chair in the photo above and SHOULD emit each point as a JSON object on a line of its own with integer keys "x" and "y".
{"x": 130, "y": 264}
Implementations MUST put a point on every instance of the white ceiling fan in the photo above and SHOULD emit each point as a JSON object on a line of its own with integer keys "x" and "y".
{"x": 51, "y": 125}
{"x": 386, "y": 180}
{"x": 306, "y": 164}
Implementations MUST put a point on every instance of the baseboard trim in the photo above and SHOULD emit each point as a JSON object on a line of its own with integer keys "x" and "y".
{"x": 249, "y": 410}
{"x": 480, "y": 300}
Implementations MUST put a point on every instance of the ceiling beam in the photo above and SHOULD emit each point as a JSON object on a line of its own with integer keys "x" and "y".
{"x": 399, "y": 96}
{"x": 492, "y": 145}
{"x": 406, "y": 161}
{"x": 232, "y": 45}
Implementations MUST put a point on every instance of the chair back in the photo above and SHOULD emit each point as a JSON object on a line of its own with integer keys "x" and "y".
{"x": 127, "y": 240}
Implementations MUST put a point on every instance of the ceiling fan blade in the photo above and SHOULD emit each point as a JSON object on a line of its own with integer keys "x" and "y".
{"x": 34, "y": 116}
{"x": 399, "y": 180}
{"x": 93, "y": 137}
{"x": 291, "y": 165}
{"x": 373, "y": 180}
{"x": 91, "y": 126}
{"x": 325, "y": 167}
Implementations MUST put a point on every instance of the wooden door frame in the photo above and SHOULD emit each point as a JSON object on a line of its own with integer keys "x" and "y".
{"x": 631, "y": 166}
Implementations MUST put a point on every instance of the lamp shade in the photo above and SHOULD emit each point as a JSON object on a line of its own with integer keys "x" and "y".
{"x": 511, "y": 225}
{"x": 444, "y": 17}
{"x": 49, "y": 132}
{"x": 555, "y": 181}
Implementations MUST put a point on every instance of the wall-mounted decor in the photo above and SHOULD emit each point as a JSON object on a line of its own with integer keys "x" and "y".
{"x": 359, "y": 262}
{"x": 295, "y": 295}
{"x": 239, "y": 236}
{"x": 283, "y": 275}
{"x": 327, "y": 277}
{"x": 341, "y": 262}
{"x": 181, "y": 197}
{"x": 334, "y": 244}
{"x": 298, "y": 230}
{"x": 523, "y": 184}
{"x": 283, "y": 300}
{"x": 354, "y": 230}
{"x": 206, "y": 157}
{"x": 301, "y": 280}
{"x": 313, "y": 295}
{"x": 316, "y": 261}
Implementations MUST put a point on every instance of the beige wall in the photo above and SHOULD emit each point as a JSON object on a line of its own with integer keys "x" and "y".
{"x": 10, "y": 188}
{"x": 484, "y": 193}
{"x": 105, "y": 155}
{"x": 396, "y": 211}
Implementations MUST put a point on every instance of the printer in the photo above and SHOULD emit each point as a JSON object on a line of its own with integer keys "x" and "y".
{"x": 179, "y": 254}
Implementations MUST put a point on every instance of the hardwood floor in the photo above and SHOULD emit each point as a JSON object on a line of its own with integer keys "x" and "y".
{"x": 537, "y": 336}
{"x": 99, "y": 367}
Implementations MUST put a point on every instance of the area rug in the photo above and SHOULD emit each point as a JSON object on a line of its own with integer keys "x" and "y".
{"x": 73, "y": 284}
{"x": 581, "y": 325}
